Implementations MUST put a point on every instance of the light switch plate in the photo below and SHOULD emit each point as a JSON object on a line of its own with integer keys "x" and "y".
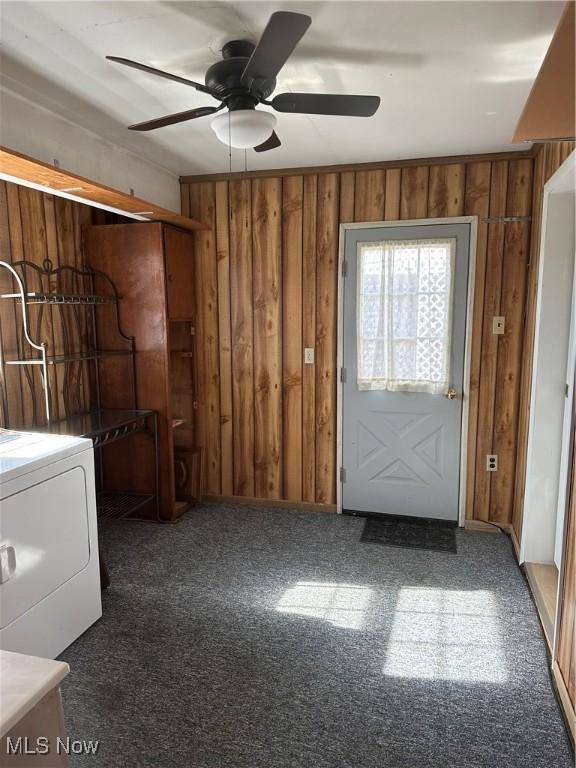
{"x": 498, "y": 325}
{"x": 309, "y": 355}
{"x": 491, "y": 462}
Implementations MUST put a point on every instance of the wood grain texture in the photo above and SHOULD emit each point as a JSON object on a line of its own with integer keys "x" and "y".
{"x": 35, "y": 225}
{"x": 309, "y": 218}
{"x": 446, "y": 190}
{"x": 567, "y": 627}
{"x": 369, "y": 195}
{"x": 462, "y": 186}
{"x": 476, "y": 203}
{"x": 207, "y": 308}
{"x": 292, "y": 349}
{"x": 267, "y": 239}
{"x": 242, "y": 322}
{"x": 224, "y": 337}
{"x": 512, "y": 307}
{"x": 392, "y": 201}
{"x": 489, "y": 357}
{"x": 414, "y": 192}
{"x": 347, "y": 196}
{"x": 28, "y": 169}
{"x": 326, "y": 307}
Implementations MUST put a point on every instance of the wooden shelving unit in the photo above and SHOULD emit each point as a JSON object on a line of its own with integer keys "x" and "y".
{"x": 152, "y": 265}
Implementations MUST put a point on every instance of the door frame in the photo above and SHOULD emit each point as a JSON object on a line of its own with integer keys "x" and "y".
{"x": 473, "y": 222}
{"x": 561, "y": 181}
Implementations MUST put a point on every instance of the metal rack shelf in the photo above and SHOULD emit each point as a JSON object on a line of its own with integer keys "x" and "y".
{"x": 95, "y": 354}
{"x": 119, "y": 504}
{"x": 35, "y": 297}
{"x": 57, "y": 294}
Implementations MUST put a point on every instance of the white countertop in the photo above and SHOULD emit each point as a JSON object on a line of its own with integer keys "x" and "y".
{"x": 24, "y": 681}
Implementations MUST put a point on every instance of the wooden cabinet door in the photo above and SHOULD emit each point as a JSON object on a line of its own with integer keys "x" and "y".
{"x": 179, "y": 254}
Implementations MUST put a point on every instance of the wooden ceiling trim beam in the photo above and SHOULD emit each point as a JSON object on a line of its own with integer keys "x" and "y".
{"x": 276, "y": 172}
{"x": 33, "y": 171}
{"x": 550, "y": 112}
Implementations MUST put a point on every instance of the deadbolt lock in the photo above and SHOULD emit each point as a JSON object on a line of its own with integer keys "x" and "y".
{"x": 451, "y": 394}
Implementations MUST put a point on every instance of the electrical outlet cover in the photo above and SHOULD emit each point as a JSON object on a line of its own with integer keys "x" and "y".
{"x": 491, "y": 462}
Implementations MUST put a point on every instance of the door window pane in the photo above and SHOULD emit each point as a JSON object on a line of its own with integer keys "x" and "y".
{"x": 404, "y": 322}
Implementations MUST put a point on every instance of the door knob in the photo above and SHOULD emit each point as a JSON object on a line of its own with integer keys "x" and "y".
{"x": 451, "y": 394}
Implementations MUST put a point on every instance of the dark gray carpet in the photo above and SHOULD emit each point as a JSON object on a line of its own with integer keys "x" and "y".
{"x": 251, "y": 638}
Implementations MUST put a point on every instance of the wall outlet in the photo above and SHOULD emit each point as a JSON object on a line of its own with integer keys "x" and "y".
{"x": 491, "y": 462}
{"x": 498, "y": 325}
{"x": 309, "y": 355}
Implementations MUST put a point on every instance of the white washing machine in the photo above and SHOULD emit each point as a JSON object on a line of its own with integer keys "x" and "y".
{"x": 49, "y": 571}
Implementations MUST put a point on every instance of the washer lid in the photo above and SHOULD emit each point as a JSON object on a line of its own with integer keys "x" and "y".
{"x": 22, "y": 452}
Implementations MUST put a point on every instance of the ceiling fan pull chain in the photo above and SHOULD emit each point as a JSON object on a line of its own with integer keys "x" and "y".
{"x": 229, "y": 143}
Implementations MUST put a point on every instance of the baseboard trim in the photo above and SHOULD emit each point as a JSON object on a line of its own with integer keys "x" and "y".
{"x": 515, "y": 543}
{"x": 481, "y": 525}
{"x": 258, "y": 502}
{"x": 566, "y": 704}
{"x": 539, "y": 583}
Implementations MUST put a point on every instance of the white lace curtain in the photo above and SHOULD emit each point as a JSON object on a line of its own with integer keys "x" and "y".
{"x": 404, "y": 308}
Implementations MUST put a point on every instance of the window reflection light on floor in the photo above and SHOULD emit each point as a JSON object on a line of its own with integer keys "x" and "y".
{"x": 442, "y": 634}
{"x": 343, "y": 605}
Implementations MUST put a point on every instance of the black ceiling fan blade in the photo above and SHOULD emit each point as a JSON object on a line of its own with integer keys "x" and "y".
{"x": 178, "y": 117}
{"x": 270, "y": 143}
{"x": 326, "y": 104}
{"x": 161, "y": 73}
{"x": 282, "y": 34}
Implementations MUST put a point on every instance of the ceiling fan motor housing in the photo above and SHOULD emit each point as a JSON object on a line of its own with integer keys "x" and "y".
{"x": 224, "y": 77}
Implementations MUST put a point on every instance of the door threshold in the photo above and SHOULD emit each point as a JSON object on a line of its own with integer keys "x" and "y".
{"x": 400, "y": 518}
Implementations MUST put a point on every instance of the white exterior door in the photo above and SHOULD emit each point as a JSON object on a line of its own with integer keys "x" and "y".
{"x": 405, "y": 300}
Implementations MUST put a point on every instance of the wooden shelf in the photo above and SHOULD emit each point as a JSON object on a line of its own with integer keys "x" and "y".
{"x": 56, "y": 179}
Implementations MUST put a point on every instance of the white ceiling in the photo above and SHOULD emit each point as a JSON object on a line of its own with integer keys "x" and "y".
{"x": 453, "y": 76}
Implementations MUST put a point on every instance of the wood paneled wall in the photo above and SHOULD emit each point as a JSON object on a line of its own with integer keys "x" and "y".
{"x": 35, "y": 226}
{"x": 267, "y": 279}
{"x": 566, "y": 657}
{"x": 548, "y": 158}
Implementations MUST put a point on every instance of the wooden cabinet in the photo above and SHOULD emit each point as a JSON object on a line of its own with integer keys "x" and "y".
{"x": 151, "y": 265}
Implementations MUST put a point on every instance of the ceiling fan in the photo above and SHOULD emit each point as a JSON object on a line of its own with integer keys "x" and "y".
{"x": 245, "y": 78}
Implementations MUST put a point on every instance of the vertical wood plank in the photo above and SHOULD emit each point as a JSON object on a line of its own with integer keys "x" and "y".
{"x": 225, "y": 344}
{"x": 292, "y": 199}
{"x": 347, "y": 195}
{"x": 208, "y": 347}
{"x": 414, "y": 192}
{"x": 34, "y": 244}
{"x": 13, "y": 416}
{"x": 567, "y": 625}
{"x": 309, "y": 223}
{"x": 446, "y": 190}
{"x": 241, "y": 310}
{"x": 267, "y": 275}
{"x": 493, "y": 290}
{"x": 369, "y": 195}
{"x": 392, "y": 202}
{"x": 512, "y": 305}
{"x": 477, "y": 203}
{"x": 185, "y": 199}
{"x": 326, "y": 298}
{"x": 57, "y": 340}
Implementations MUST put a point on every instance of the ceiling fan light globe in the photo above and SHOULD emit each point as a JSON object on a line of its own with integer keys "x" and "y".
{"x": 244, "y": 128}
